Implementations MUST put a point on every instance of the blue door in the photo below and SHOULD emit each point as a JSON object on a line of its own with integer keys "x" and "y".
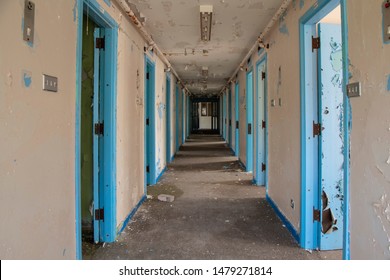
{"x": 168, "y": 125}
{"x": 177, "y": 119}
{"x": 237, "y": 118}
{"x": 331, "y": 148}
{"x": 150, "y": 162}
{"x": 230, "y": 117}
{"x": 249, "y": 121}
{"x": 261, "y": 125}
{"x": 224, "y": 115}
{"x": 98, "y": 138}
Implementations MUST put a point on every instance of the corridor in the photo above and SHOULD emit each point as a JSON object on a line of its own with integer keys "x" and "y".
{"x": 217, "y": 214}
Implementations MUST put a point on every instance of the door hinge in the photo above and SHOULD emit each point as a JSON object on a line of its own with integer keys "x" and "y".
{"x": 99, "y": 128}
{"x": 249, "y": 128}
{"x": 147, "y": 75}
{"x": 147, "y": 169}
{"x": 263, "y": 167}
{"x": 263, "y": 124}
{"x": 100, "y": 43}
{"x": 263, "y": 75}
{"x": 147, "y": 121}
{"x": 230, "y": 122}
{"x": 99, "y": 215}
{"x": 237, "y": 124}
{"x": 317, "y": 128}
{"x": 315, "y": 43}
{"x": 316, "y": 215}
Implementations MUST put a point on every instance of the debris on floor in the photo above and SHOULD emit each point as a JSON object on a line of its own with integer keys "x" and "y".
{"x": 166, "y": 198}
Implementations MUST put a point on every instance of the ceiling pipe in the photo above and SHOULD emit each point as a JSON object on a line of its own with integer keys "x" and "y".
{"x": 144, "y": 33}
{"x": 265, "y": 32}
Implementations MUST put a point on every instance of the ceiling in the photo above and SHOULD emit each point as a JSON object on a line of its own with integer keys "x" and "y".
{"x": 175, "y": 27}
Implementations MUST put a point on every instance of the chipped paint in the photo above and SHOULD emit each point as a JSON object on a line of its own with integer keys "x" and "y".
{"x": 382, "y": 210}
{"x": 9, "y": 79}
{"x": 301, "y": 4}
{"x": 27, "y": 79}
{"x": 282, "y": 24}
{"x": 74, "y": 10}
{"x": 388, "y": 82}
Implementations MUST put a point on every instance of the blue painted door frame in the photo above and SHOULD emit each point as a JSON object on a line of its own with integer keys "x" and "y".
{"x": 224, "y": 115}
{"x": 307, "y": 27}
{"x": 150, "y": 123}
{"x": 108, "y": 79}
{"x": 261, "y": 172}
{"x": 249, "y": 120}
{"x": 237, "y": 117}
{"x": 183, "y": 117}
{"x": 177, "y": 119}
{"x": 230, "y": 117}
{"x": 168, "y": 124}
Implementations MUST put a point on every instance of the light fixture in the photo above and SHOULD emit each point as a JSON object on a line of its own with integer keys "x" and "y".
{"x": 168, "y": 69}
{"x": 206, "y": 13}
{"x": 241, "y": 68}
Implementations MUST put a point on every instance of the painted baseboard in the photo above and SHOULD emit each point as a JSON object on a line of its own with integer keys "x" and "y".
{"x": 131, "y": 214}
{"x": 284, "y": 220}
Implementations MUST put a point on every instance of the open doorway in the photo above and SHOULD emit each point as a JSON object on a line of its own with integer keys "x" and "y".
{"x": 96, "y": 126}
{"x": 324, "y": 122}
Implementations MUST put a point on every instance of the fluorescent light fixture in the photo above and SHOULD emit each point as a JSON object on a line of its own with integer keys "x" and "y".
{"x": 206, "y": 13}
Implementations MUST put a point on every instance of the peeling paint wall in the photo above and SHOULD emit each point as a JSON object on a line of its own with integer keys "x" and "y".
{"x": 37, "y": 128}
{"x": 370, "y": 137}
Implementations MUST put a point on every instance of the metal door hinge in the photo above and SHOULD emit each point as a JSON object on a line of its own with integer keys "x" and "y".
{"x": 230, "y": 122}
{"x": 147, "y": 169}
{"x": 263, "y": 167}
{"x": 317, "y": 128}
{"x": 147, "y": 76}
{"x": 147, "y": 121}
{"x": 99, "y": 128}
{"x": 263, "y": 75}
{"x": 237, "y": 124}
{"x": 315, "y": 43}
{"x": 316, "y": 215}
{"x": 263, "y": 124}
{"x": 100, "y": 43}
{"x": 99, "y": 215}
{"x": 249, "y": 128}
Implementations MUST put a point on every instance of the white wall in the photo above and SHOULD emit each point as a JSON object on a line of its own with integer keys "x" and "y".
{"x": 37, "y": 128}
{"x": 370, "y": 138}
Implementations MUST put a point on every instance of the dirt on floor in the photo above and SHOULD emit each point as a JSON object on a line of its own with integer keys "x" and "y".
{"x": 216, "y": 214}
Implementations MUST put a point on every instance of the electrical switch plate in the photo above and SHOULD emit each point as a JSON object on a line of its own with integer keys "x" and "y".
{"x": 50, "y": 83}
{"x": 273, "y": 103}
{"x": 28, "y": 27}
{"x": 386, "y": 21}
{"x": 354, "y": 90}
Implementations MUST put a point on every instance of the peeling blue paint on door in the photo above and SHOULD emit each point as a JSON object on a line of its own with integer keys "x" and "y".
{"x": 331, "y": 147}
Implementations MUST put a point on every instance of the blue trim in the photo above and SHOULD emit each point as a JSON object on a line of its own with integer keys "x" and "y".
{"x": 249, "y": 120}
{"x": 256, "y": 174}
{"x": 131, "y": 214}
{"x": 237, "y": 118}
{"x": 108, "y": 2}
{"x": 347, "y": 126}
{"x": 306, "y": 24}
{"x": 79, "y": 54}
{"x": 177, "y": 118}
{"x": 183, "y": 117}
{"x": 161, "y": 173}
{"x": 98, "y": 14}
{"x": 150, "y": 99}
{"x": 230, "y": 123}
{"x": 283, "y": 218}
{"x": 172, "y": 158}
{"x": 168, "y": 121}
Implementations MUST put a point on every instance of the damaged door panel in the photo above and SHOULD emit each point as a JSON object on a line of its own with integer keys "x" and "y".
{"x": 331, "y": 158}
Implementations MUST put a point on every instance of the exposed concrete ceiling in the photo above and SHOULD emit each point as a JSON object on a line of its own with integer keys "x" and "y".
{"x": 175, "y": 27}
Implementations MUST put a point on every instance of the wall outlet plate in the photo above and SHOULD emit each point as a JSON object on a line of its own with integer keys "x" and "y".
{"x": 273, "y": 102}
{"x": 354, "y": 90}
{"x": 50, "y": 83}
{"x": 29, "y": 18}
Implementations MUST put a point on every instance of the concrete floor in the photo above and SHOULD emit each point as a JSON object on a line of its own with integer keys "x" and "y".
{"x": 217, "y": 214}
